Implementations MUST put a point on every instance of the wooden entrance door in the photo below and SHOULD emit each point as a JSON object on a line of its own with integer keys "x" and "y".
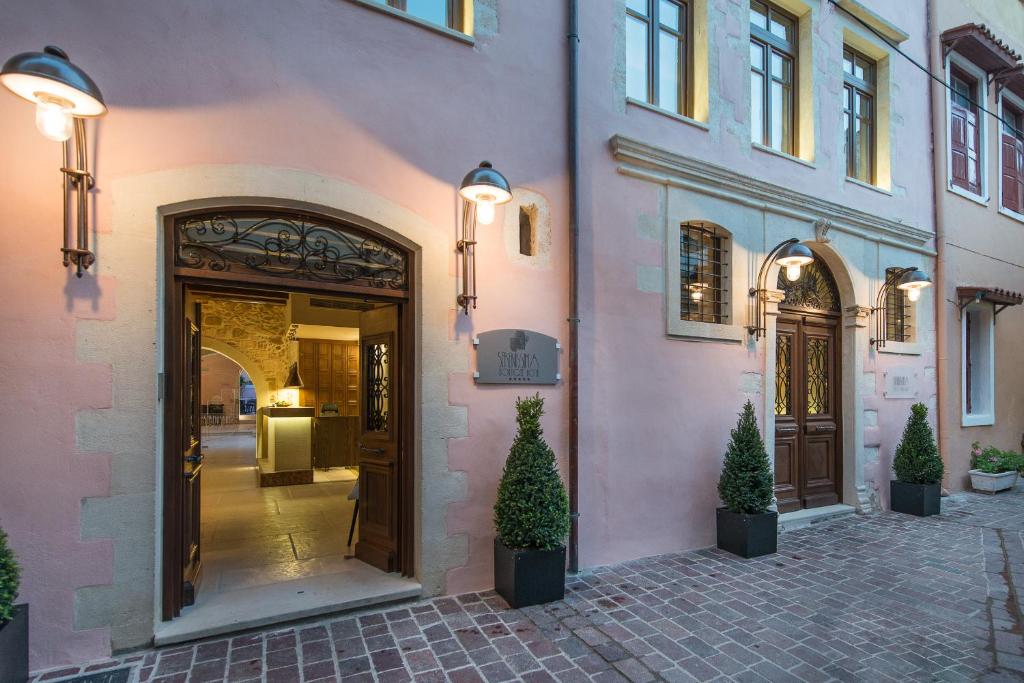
{"x": 191, "y": 455}
{"x": 379, "y": 440}
{"x": 808, "y": 439}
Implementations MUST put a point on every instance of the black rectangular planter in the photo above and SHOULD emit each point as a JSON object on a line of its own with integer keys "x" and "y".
{"x": 14, "y": 647}
{"x": 922, "y": 500}
{"x": 748, "y": 535}
{"x": 529, "y": 577}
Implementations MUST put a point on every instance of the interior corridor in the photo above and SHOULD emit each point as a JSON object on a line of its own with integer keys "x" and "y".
{"x": 253, "y": 536}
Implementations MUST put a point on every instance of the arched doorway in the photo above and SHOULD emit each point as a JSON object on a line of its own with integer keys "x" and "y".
{"x": 274, "y": 256}
{"x": 808, "y": 393}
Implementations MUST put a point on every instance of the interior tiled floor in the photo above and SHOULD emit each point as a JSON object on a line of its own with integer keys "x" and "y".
{"x": 254, "y": 536}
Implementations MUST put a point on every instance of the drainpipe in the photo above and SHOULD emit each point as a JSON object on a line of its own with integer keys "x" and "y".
{"x": 573, "y": 40}
{"x": 940, "y": 276}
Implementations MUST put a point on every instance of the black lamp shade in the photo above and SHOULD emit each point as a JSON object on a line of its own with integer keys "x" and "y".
{"x": 914, "y": 279}
{"x": 293, "y": 381}
{"x": 38, "y": 76}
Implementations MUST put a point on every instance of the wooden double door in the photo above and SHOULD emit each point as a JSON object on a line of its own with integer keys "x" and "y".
{"x": 808, "y": 439}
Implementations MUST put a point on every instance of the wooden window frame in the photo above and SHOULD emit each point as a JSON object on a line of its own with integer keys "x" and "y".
{"x": 454, "y": 10}
{"x": 866, "y": 89}
{"x": 654, "y": 27}
{"x": 1014, "y": 138}
{"x": 771, "y": 43}
{"x": 958, "y": 70}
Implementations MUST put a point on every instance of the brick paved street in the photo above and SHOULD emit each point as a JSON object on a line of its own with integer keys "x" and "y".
{"x": 884, "y": 597}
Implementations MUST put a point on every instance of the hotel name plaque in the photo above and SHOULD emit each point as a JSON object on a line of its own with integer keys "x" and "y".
{"x": 516, "y": 357}
{"x": 900, "y": 382}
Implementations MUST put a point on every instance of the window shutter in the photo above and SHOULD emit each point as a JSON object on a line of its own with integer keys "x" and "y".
{"x": 958, "y": 145}
{"x": 1019, "y": 153}
{"x": 1010, "y": 173}
{"x": 973, "y": 153}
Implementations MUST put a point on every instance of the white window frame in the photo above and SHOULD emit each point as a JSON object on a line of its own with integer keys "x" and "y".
{"x": 982, "y": 78}
{"x": 986, "y": 375}
{"x": 1018, "y": 103}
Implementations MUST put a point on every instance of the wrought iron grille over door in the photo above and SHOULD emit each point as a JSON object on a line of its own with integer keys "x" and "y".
{"x": 288, "y": 245}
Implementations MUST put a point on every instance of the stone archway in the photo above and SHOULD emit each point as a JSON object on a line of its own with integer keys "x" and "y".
{"x": 251, "y": 368}
{"x": 853, "y": 337}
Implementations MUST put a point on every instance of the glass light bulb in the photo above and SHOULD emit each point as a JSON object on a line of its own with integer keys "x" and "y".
{"x": 53, "y": 120}
{"x": 793, "y": 273}
{"x": 484, "y": 212}
{"x": 696, "y": 295}
{"x": 914, "y": 294}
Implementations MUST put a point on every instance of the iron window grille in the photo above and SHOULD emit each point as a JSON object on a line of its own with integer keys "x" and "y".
{"x": 773, "y": 52}
{"x": 859, "y": 84}
{"x": 898, "y": 312}
{"x": 703, "y": 255}
{"x": 657, "y": 53}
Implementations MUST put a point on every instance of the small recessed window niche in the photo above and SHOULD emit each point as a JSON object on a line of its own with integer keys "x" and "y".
{"x": 527, "y": 230}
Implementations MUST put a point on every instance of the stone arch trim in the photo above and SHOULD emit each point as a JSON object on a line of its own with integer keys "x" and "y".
{"x": 138, "y": 207}
{"x": 243, "y": 361}
{"x": 854, "y": 343}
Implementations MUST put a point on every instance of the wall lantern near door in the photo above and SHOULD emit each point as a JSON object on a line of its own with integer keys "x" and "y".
{"x": 910, "y": 280}
{"x": 64, "y": 96}
{"x": 790, "y": 255}
{"x": 482, "y": 189}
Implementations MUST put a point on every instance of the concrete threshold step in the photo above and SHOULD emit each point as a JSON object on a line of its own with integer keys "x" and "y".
{"x": 800, "y": 519}
{"x": 262, "y": 606}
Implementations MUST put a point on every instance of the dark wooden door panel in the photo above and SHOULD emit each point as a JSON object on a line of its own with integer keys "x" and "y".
{"x": 808, "y": 458}
{"x": 379, "y": 441}
{"x": 192, "y": 458}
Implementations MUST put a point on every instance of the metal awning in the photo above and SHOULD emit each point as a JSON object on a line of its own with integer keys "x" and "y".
{"x": 999, "y": 298}
{"x": 978, "y": 44}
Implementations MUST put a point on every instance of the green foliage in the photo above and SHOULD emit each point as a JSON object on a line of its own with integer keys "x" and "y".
{"x": 991, "y": 460}
{"x": 746, "y": 484}
{"x": 9, "y": 576}
{"x": 917, "y": 458}
{"x": 532, "y": 510}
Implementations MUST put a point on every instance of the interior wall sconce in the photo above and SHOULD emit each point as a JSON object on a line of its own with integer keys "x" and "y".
{"x": 482, "y": 189}
{"x": 790, "y": 255}
{"x": 64, "y": 96}
{"x": 911, "y": 280}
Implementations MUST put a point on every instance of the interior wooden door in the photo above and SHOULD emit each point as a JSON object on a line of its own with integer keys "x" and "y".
{"x": 330, "y": 370}
{"x": 808, "y": 458}
{"x": 379, "y": 440}
{"x": 192, "y": 457}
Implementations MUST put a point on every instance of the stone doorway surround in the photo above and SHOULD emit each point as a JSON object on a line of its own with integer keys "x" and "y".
{"x": 128, "y": 605}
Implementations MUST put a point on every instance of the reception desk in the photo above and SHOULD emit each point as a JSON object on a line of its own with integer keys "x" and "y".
{"x": 285, "y": 445}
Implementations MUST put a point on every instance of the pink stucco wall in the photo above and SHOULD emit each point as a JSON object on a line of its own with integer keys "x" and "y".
{"x": 324, "y": 86}
{"x": 333, "y": 88}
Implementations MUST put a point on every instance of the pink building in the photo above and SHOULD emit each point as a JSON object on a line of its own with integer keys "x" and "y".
{"x": 709, "y": 131}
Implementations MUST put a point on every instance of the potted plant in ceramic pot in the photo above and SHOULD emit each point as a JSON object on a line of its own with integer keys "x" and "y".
{"x": 13, "y": 619}
{"x": 746, "y": 527}
{"x": 918, "y": 467}
{"x": 531, "y": 516}
{"x": 993, "y": 470}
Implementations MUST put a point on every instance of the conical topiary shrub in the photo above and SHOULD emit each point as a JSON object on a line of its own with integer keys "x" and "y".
{"x": 532, "y": 510}
{"x": 10, "y": 574}
{"x": 918, "y": 467}
{"x": 917, "y": 458}
{"x": 746, "y": 484}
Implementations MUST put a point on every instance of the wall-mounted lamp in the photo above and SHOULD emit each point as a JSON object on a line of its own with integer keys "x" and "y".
{"x": 64, "y": 95}
{"x": 482, "y": 189}
{"x": 790, "y": 255}
{"x": 911, "y": 280}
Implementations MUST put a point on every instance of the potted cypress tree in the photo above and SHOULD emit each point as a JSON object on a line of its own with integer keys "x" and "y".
{"x": 13, "y": 619}
{"x": 918, "y": 467}
{"x": 746, "y": 527}
{"x": 531, "y": 516}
